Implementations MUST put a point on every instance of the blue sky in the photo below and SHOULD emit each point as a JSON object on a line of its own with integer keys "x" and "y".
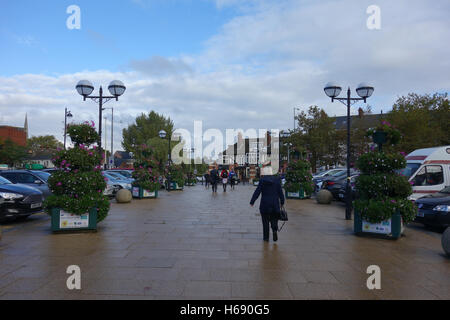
{"x": 230, "y": 63}
{"x": 112, "y": 33}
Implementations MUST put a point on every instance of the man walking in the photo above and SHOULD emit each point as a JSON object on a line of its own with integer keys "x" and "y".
{"x": 214, "y": 178}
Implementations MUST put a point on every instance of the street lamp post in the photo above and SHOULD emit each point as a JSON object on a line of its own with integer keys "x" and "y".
{"x": 67, "y": 114}
{"x": 85, "y": 88}
{"x": 295, "y": 122}
{"x": 163, "y": 134}
{"x": 364, "y": 91}
{"x": 112, "y": 135}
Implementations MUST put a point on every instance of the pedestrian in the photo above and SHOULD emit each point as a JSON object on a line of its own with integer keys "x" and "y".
{"x": 214, "y": 178}
{"x": 206, "y": 178}
{"x": 224, "y": 176}
{"x": 272, "y": 196}
{"x": 232, "y": 176}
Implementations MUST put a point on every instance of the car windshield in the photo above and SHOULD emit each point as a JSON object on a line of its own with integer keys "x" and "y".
{"x": 338, "y": 173}
{"x": 43, "y": 175}
{"x": 409, "y": 170}
{"x": 445, "y": 190}
{"x": 4, "y": 181}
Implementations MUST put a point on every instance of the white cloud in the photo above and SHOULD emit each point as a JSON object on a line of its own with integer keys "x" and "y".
{"x": 275, "y": 56}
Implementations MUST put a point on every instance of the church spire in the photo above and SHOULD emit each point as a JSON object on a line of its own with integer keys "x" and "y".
{"x": 25, "y": 126}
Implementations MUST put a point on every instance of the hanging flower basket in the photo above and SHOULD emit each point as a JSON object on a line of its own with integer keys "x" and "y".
{"x": 379, "y": 137}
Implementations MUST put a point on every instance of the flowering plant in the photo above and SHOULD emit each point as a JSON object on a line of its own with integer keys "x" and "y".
{"x": 78, "y": 185}
{"x": 83, "y": 133}
{"x": 145, "y": 174}
{"x": 393, "y": 136}
{"x": 381, "y": 190}
{"x": 298, "y": 177}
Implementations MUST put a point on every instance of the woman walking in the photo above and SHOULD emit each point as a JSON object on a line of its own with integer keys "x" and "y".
{"x": 272, "y": 195}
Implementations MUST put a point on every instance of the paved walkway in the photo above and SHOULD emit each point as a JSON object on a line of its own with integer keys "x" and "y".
{"x": 193, "y": 245}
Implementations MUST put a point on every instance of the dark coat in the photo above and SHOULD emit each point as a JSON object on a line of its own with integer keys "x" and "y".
{"x": 272, "y": 194}
{"x": 214, "y": 176}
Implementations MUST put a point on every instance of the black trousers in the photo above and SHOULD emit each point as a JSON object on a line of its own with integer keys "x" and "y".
{"x": 214, "y": 186}
{"x": 269, "y": 218}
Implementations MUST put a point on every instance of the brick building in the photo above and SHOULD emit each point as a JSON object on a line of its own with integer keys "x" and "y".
{"x": 16, "y": 134}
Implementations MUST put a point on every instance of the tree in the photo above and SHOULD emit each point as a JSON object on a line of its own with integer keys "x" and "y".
{"x": 145, "y": 128}
{"x": 317, "y": 136}
{"x": 423, "y": 121}
{"x": 10, "y": 152}
{"x": 43, "y": 143}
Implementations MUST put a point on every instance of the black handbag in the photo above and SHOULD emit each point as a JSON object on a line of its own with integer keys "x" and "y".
{"x": 283, "y": 217}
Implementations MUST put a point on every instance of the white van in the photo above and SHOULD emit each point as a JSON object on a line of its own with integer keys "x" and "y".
{"x": 433, "y": 173}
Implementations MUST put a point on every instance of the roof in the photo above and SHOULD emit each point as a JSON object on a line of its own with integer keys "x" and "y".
{"x": 367, "y": 121}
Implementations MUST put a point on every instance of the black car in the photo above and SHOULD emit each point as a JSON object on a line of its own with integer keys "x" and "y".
{"x": 434, "y": 209}
{"x": 33, "y": 178}
{"x": 19, "y": 201}
{"x": 334, "y": 183}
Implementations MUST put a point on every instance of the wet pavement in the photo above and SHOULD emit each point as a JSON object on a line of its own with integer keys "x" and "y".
{"x": 195, "y": 245}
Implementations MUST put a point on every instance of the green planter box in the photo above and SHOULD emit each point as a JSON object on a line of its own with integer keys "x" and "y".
{"x": 66, "y": 222}
{"x": 296, "y": 195}
{"x": 256, "y": 183}
{"x": 141, "y": 193}
{"x": 389, "y": 229}
{"x": 174, "y": 186}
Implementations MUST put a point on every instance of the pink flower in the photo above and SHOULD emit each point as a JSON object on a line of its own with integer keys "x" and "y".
{"x": 59, "y": 184}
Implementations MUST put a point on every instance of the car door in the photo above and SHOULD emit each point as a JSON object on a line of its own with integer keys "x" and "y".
{"x": 428, "y": 179}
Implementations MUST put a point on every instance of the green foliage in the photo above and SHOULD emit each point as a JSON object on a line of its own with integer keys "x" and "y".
{"x": 146, "y": 127}
{"x": 83, "y": 133}
{"x": 382, "y": 191}
{"x": 317, "y": 136}
{"x": 298, "y": 177}
{"x": 79, "y": 185}
{"x": 380, "y": 162}
{"x": 10, "y": 152}
{"x": 393, "y": 136}
{"x": 176, "y": 174}
{"x": 146, "y": 168}
{"x": 423, "y": 120}
{"x": 43, "y": 143}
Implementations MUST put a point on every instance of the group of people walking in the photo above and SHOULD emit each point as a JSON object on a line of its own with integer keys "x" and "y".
{"x": 214, "y": 177}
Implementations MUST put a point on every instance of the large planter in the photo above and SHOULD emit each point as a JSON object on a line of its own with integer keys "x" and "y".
{"x": 62, "y": 221}
{"x": 141, "y": 193}
{"x": 300, "y": 194}
{"x": 174, "y": 186}
{"x": 255, "y": 183}
{"x": 389, "y": 229}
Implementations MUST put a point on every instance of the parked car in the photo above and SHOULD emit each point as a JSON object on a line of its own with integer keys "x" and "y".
{"x": 32, "y": 178}
{"x": 119, "y": 176}
{"x": 18, "y": 200}
{"x": 51, "y": 171}
{"x": 434, "y": 209}
{"x": 320, "y": 177}
{"x": 342, "y": 194}
{"x": 124, "y": 172}
{"x": 116, "y": 183}
{"x": 336, "y": 181}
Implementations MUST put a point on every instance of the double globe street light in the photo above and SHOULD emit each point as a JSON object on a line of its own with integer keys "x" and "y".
{"x": 364, "y": 91}
{"x": 163, "y": 134}
{"x": 85, "y": 88}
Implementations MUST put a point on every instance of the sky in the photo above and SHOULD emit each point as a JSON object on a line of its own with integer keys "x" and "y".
{"x": 229, "y": 63}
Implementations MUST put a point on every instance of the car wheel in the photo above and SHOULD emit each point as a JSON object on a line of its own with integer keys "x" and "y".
{"x": 22, "y": 218}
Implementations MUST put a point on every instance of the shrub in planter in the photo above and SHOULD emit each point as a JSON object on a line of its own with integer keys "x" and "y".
{"x": 389, "y": 135}
{"x": 145, "y": 172}
{"x": 299, "y": 178}
{"x": 190, "y": 180}
{"x": 78, "y": 186}
{"x": 176, "y": 175}
{"x": 382, "y": 192}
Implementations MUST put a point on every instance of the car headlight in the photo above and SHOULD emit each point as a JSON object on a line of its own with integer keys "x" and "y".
{"x": 442, "y": 208}
{"x": 10, "y": 195}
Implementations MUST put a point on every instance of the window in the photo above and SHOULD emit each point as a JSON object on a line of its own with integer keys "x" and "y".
{"x": 26, "y": 178}
{"x": 429, "y": 176}
{"x": 10, "y": 176}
